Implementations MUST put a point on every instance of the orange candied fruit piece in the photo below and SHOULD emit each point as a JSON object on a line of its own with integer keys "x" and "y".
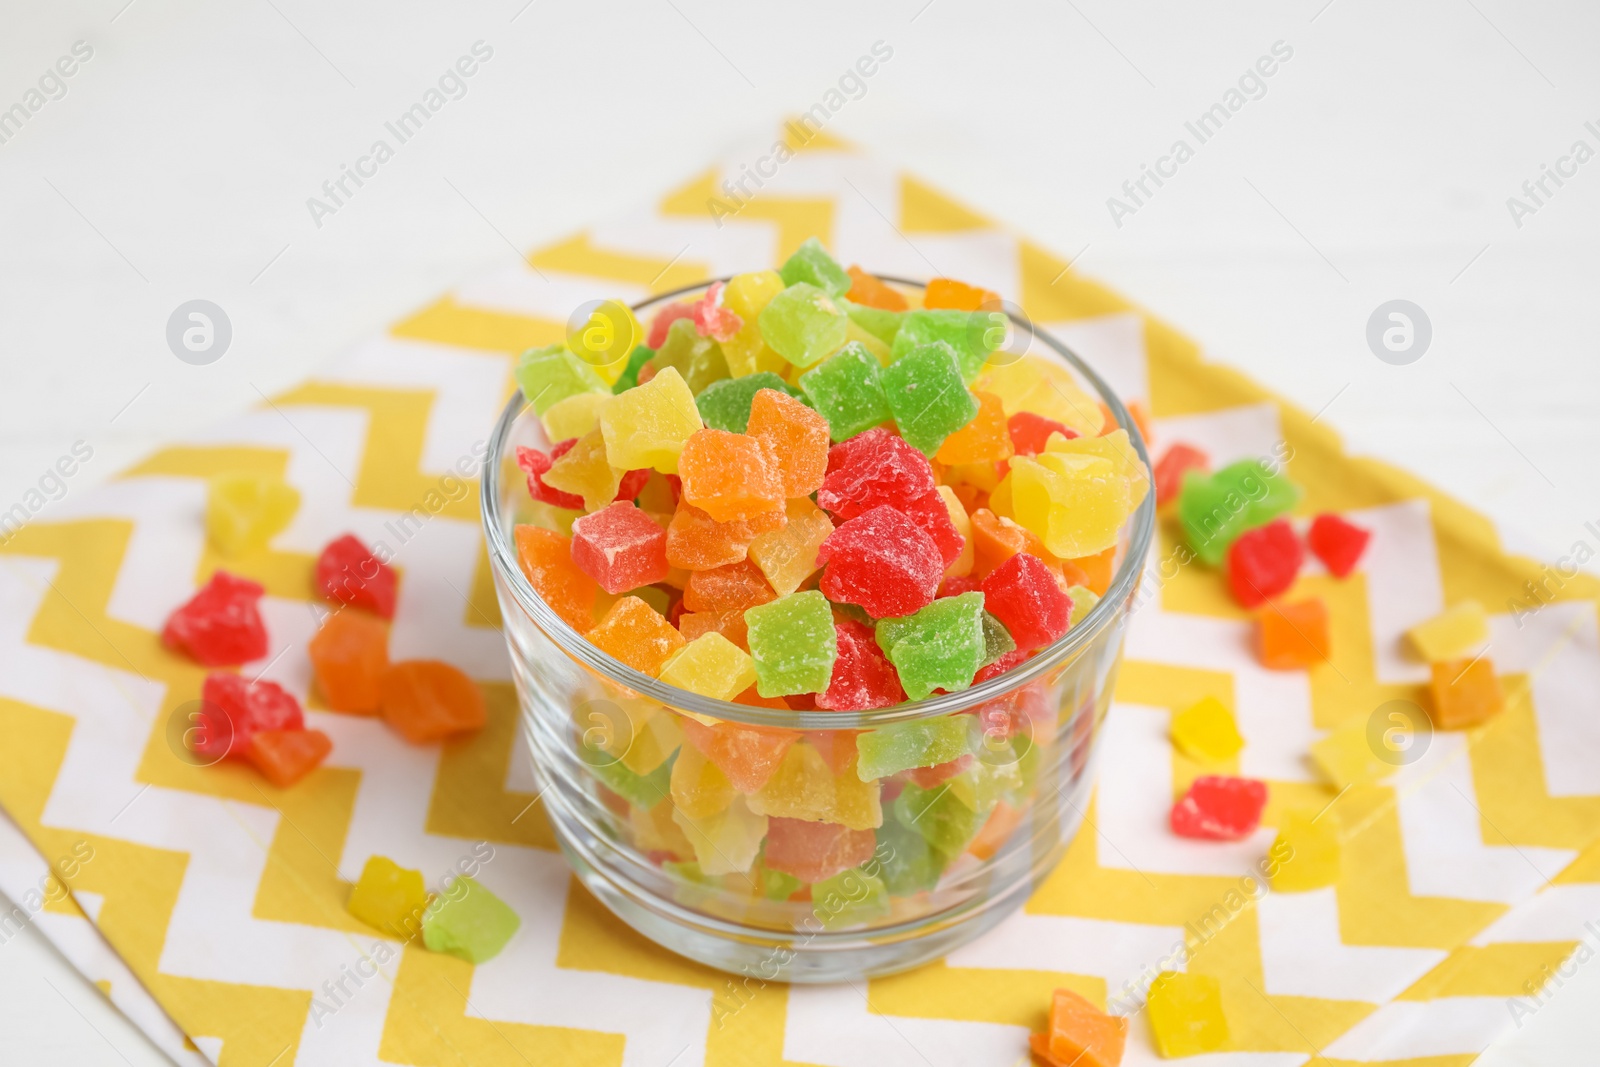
{"x": 730, "y": 476}
{"x": 995, "y": 540}
{"x": 730, "y": 624}
{"x": 426, "y": 699}
{"x": 1141, "y": 419}
{"x": 546, "y": 559}
{"x": 732, "y": 588}
{"x": 1292, "y": 636}
{"x": 638, "y": 635}
{"x": 959, "y": 296}
{"x": 1465, "y": 693}
{"x": 986, "y": 439}
{"x": 348, "y": 657}
{"x": 1080, "y": 1034}
{"x": 868, "y": 291}
{"x": 697, "y": 542}
{"x": 285, "y": 756}
{"x": 1092, "y": 572}
{"x": 798, "y": 436}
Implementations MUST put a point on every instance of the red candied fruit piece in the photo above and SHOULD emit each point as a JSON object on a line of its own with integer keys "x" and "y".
{"x": 220, "y": 626}
{"x": 1171, "y": 467}
{"x": 348, "y": 573}
{"x": 620, "y": 547}
{"x": 1219, "y": 808}
{"x": 536, "y": 465}
{"x": 957, "y": 584}
{"x": 232, "y": 709}
{"x": 813, "y": 851}
{"x": 1000, "y": 666}
{"x": 863, "y": 677}
{"x": 930, "y": 513}
{"x": 1337, "y": 543}
{"x": 1263, "y": 562}
{"x": 871, "y": 469}
{"x": 1022, "y": 593}
{"x": 882, "y": 561}
{"x": 1030, "y": 432}
{"x": 631, "y": 484}
{"x": 714, "y": 320}
{"x": 940, "y": 773}
{"x": 664, "y": 320}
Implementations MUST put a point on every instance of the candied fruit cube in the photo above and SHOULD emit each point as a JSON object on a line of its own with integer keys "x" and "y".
{"x": 536, "y": 464}
{"x": 961, "y": 525}
{"x": 1310, "y": 854}
{"x": 220, "y": 626}
{"x": 847, "y": 391}
{"x": 985, "y": 439}
{"x": 620, "y": 547}
{"x": 1043, "y": 387}
{"x": 1464, "y": 692}
{"x": 882, "y": 561}
{"x": 389, "y": 898}
{"x": 712, "y": 666}
{"x": 815, "y": 851}
{"x": 1457, "y": 633}
{"x": 635, "y": 633}
{"x": 348, "y": 573}
{"x": 583, "y": 469}
{"x": 1178, "y": 459}
{"x": 348, "y": 657}
{"x": 1115, "y": 447}
{"x": 1023, "y": 595}
{"x": 426, "y": 700}
{"x": 919, "y": 743}
{"x": 1206, "y": 732}
{"x": 648, "y": 425}
{"x": 969, "y": 335}
{"x": 1219, "y": 807}
{"x": 872, "y": 469}
{"x": 1076, "y": 504}
{"x": 1030, "y": 433}
{"x": 233, "y": 710}
{"x": 692, "y": 354}
{"x": 939, "y": 647}
{"x": 798, "y": 436}
{"x": 788, "y": 556}
{"x": 699, "y": 788}
{"x": 245, "y": 511}
{"x": 927, "y": 396}
{"x": 551, "y": 374}
{"x": 1214, "y": 509}
{"x": 727, "y": 842}
{"x": 863, "y": 678}
{"x": 1338, "y": 543}
{"x": 1263, "y": 563}
{"x": 546, "y": 561}
{"x": 732, "y": 588}
{"x": 805, "y": 787}
{"x": 697, "y": 542}
{"x": 949, "y": 293}
{"x": 746, "y": 295}
{"x": 629, "y": 378}
{"x": 804, "y": 324}
{"x": 850, "y": 898}
{"x": 725, "y": 405}
{"x": 730, "y": 476}
{"x": 1186, "y": 1014}
{"x": 1080, "y": 1034}
{"x": 747, "y": 755}
{"x": 285, "y": 756}
{"x": 575, "y": 416}
{"x": 868, "y": 291}
{"x": 1293, "y": 636}
{"x": 793, "y": 644}
{"x": 811, "y": 264}
{"x": 469, "y": 922}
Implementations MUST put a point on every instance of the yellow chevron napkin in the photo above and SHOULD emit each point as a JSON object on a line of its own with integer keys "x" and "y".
{"x": 1468, "y": 874}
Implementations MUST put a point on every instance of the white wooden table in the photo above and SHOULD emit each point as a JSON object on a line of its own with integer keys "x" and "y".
{"x": 1375, "y": 163}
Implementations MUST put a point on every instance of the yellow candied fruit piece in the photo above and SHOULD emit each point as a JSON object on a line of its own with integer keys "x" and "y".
{"x": 1455, "y": 634}
{"x": 803, "y": 787}
{"x": 712, "y": 666}
{"x": 1043, "y": 387}
{"x": 1115, "y": 447}
{"x": 786, "y": 557}
{"x": 656, "y": 736}
{"x": 746, "y": 295}
{"x": 699, "y": 788}
{"x": 963, "y": 524}
{"x": 1306, "y": 854}
{"x": 647, "y": 425}
{"x": 244, "y": 511}
{"x": 1206, "y": 732}
{"x": 606, "y": 340}
{"x": 1083, "y": 601}
{"x": 389, "y": 897}
{"x": 727, "y": 842}
{"x": 1075, "y": 504}
{"x": 531, "y": 512}
{"x": 1346, "y": 758}
{"x": 655, "y": 830}
{"x": 1186, "y": 1014}
{"x": 574, "y": 416}
{"x": 985, "y": 476}
{"x": 586, "y": 471}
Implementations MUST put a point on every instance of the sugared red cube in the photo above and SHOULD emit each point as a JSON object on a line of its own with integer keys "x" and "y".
{"x": 234, "y": 709}
{"x": 348, "y": 657}
{"x": 730, "y": 476}
{"x": 348, "y": 573}
{"x": 927, "y": 396}
{"x": 638, "y": 635}
{"x": 426, "y": 700}
{"x": 1178, "y": 459}
{"x": 1310, "y": 852}
{"x": 220, "y": 625}
{"x": 1263, "y": 563}
{"x": 882, "y": 561}
{"x": 1219, "y": 808}
{"x": 389, "y": 898}
{"x": 647, "y": 425}
{"x": 1186, "y": 1014}
{"x": 1457, "y": 633}
{"x": 847, "y": 392}
{"x": 863, "y": 678}
{"x": 1465, "y": 693}
{"x": 285, "y": 756}
{"x": 939, "y": 647}
{"x": 792, "y": 641}
{"x": 1293, "y": 636}
{"x": 1338, "y": 543}
{"x": 1022, "y": 593}
{"x": 468, "y": 921}
{"x": 1206, "y": 732}
{"x": 620, "y": 547}
{"x": 798, "y": 436}
{"x": 1030, "y": 433}
{"x": 872, "y": 469}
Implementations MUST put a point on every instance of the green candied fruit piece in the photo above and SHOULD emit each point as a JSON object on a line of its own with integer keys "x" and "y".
{"x": 552, "y": 374}
{"x": 846, "y": 391}
{"x": 1216, "y": 509}
{"x": 850, "y": 898}
{"x": 992, "y": 777}
{"x": 793, "y": 643}
{"x": 880, "y": 323}
{"x": 939, "y": 816}
{"x": 698, "y": 359}
{"x": 469, "y": 922}
{"x": 939, "y": 647}
{"x": 630, "y": 374}
{"x": 725, "y": 405}
{"x": 803, "y": 324}
{"x": 643, "y": 790}
{"x": 906, "y": 862}
{"x": 927, "y": 397}
{"x": 919, "y": 743}
{"x": 971, "y": 335}
{"x": 997, "y": 640}
{"x": 777, "y": 885}
{"x": 812, "y": 264}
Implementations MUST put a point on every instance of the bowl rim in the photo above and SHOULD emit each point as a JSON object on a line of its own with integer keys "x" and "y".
{"x": 1124, "y": 583}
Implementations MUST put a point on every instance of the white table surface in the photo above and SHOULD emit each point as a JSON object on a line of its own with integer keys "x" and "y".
{"x": 1376, "y": 166}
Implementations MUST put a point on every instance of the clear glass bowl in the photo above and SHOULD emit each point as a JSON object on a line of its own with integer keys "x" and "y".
{"x": 600, "y": 732}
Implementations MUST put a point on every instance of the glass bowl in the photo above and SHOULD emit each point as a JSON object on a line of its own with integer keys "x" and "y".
{"x": 946, "y": 860}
